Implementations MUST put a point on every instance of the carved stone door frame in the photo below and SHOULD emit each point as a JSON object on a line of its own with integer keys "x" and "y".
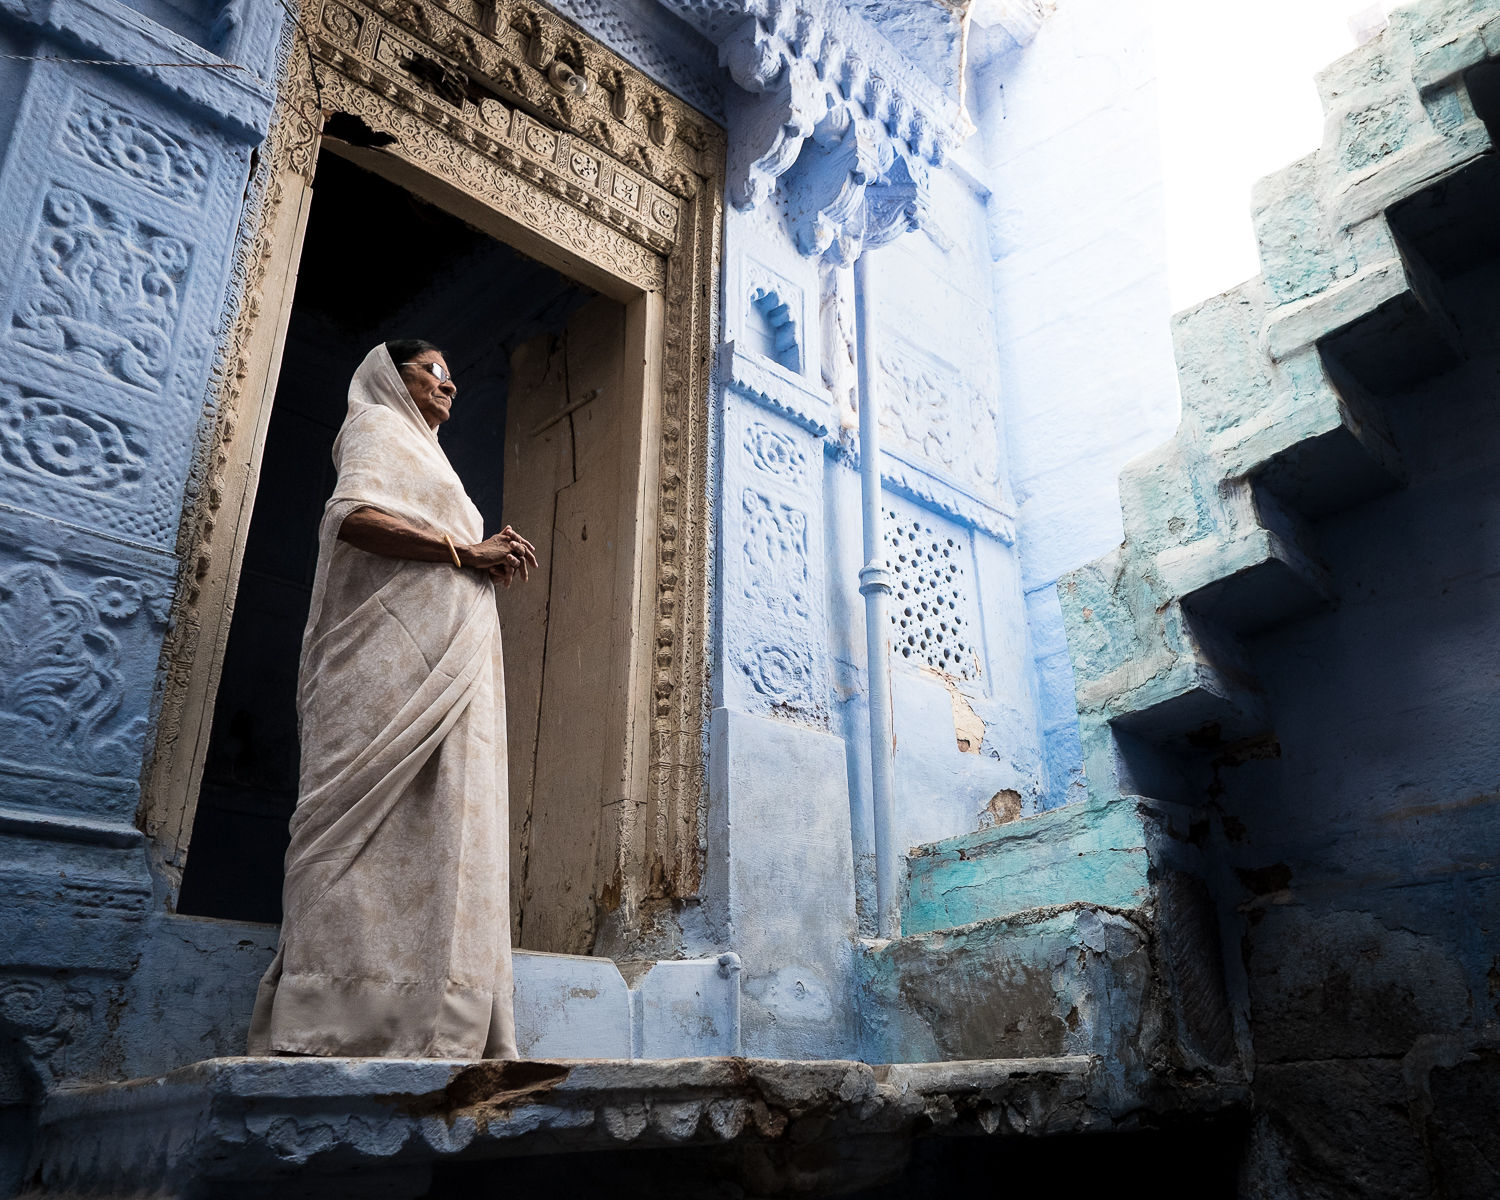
{"x": 511, "y": 118}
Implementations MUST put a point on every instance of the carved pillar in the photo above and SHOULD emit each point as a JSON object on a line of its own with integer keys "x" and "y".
{"x": 120, "y": 196}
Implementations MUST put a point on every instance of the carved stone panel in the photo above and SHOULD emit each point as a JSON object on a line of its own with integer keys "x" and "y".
{"x": 931, "y": 413}
{"x": 80, "y": 627}
{"x": 775, "y": 659}
{"x": 102, "y": 291}
{"x": 108, "y": 304}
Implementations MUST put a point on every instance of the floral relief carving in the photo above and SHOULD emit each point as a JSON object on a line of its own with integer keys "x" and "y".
{"x": 341, "y": 22}
{"x": 61, "y": 684}
{"x": 775, "y": 453}
{"x": 42, "y": 1014}
{"x": 119, "y": 141}
{"x": 664, "y": 214}
{"x": 541, "y": 141}
{"x": 780, "y": 673}
{"x": 495, "y": 114}
{"x": 44, "y": 437}
{"x": 929, "y": 410}
{"x": 585, "y": 166}
{"x": 775, "y": 550}
{"x": 104, "y": 291}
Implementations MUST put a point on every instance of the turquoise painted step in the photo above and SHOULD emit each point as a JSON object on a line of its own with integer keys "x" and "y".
{"x": 1093, "y": 852}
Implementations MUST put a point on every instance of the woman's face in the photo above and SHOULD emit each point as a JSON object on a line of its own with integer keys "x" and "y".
{"x": 434, "y": 399}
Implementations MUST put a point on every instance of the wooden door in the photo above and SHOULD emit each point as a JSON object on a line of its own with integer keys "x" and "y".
{"x": 566, "y": 435}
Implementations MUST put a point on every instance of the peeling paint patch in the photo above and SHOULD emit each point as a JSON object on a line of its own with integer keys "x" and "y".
{"x": 1003, "y": 807}
{"x": 968, "y": 726}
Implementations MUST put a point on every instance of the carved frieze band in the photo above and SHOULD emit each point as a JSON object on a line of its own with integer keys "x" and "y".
{"x": 678, "y": 791}
{"x": 773, "y": 387}
{"x": 534, "y": 96}
{"x": 489, "y": 180}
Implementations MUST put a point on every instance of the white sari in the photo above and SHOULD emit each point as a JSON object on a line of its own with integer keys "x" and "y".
{"x": 395, "y": 939}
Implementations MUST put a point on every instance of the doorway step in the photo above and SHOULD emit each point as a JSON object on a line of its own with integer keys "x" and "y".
{"x": 391, "y": 1128}
{"x": 192, "y": 994}
{"x": 572, "y": 1006}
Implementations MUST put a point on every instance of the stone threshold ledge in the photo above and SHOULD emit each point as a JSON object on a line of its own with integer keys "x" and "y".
{"x": 219, "y": 1124}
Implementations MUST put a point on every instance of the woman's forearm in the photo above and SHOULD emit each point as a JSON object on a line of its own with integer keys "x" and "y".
{"x": 375, "y": 532}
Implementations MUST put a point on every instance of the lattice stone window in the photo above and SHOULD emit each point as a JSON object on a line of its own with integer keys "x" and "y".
{"x": 932, "y": 604}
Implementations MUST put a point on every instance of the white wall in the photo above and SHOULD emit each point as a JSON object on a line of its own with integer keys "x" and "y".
{"x": 1069, "y": 129}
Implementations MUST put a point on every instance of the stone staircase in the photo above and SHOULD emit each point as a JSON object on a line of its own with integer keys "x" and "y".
{"x": 1285, "y": 382}
{"x": 1091, "y": 929}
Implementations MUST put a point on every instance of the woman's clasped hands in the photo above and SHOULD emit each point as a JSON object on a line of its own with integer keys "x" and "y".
{"x": 504, "y": 555}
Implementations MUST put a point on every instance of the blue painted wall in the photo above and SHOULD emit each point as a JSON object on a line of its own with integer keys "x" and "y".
{"x": 122, "y": 191}
{"x": 120, "y": 195}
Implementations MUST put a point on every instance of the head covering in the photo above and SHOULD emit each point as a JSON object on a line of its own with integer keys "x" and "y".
{"x": 388, "y": 458}
{"x": 378, "y": 384}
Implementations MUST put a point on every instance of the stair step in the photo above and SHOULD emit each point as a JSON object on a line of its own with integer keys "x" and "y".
{"x": 1092, "y": 851}
{"x": 1052, "y": 981}
{"x": 1247, "y": 585}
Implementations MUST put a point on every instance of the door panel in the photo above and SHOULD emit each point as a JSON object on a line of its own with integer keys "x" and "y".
{"x": 564, "y": 467}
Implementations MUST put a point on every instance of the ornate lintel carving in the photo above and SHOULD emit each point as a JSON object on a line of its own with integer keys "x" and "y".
{"x": 524, "y": 100}
{"x": 523, "y": 55}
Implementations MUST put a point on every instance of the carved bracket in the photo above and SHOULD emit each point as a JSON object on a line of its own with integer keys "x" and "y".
{"x": 40, "y": 1016}
{"x": 854, "y": 189}
{"x": 835, "y": 111}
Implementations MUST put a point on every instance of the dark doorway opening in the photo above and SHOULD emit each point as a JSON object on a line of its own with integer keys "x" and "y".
{"x": 377, "y": 263}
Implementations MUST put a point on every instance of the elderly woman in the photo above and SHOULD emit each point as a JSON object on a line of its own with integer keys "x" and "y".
{"x": 395, "y": 939}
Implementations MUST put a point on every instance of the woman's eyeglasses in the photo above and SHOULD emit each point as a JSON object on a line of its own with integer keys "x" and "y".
{"x": 435, "y": 369}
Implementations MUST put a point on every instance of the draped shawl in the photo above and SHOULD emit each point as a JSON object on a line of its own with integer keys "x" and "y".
{"x": 395, "y": 938}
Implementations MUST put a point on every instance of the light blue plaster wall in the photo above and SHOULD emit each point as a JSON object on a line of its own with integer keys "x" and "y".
{"x": 791, "y": 621}
{"x": 1070, "y": 146}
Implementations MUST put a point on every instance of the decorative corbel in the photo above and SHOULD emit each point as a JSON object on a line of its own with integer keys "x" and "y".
{"x": 489, "y": 17}
{"x": 660, "y": 127}
{"x": 538, "y": 45}
{"x": 815, "y": 65}
{"x": 753, "y": 55}
{"x": 899, "y": 203}
{"x": 620, "y": 103}
{"x": 770, "y": 133}
{"x": 844, "y": 157}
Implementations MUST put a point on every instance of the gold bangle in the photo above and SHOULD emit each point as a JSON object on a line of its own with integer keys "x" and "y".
{"x": 453, "y": 550}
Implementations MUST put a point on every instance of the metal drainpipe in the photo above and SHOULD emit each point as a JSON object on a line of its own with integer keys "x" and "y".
{"x": 875, "y": 586}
